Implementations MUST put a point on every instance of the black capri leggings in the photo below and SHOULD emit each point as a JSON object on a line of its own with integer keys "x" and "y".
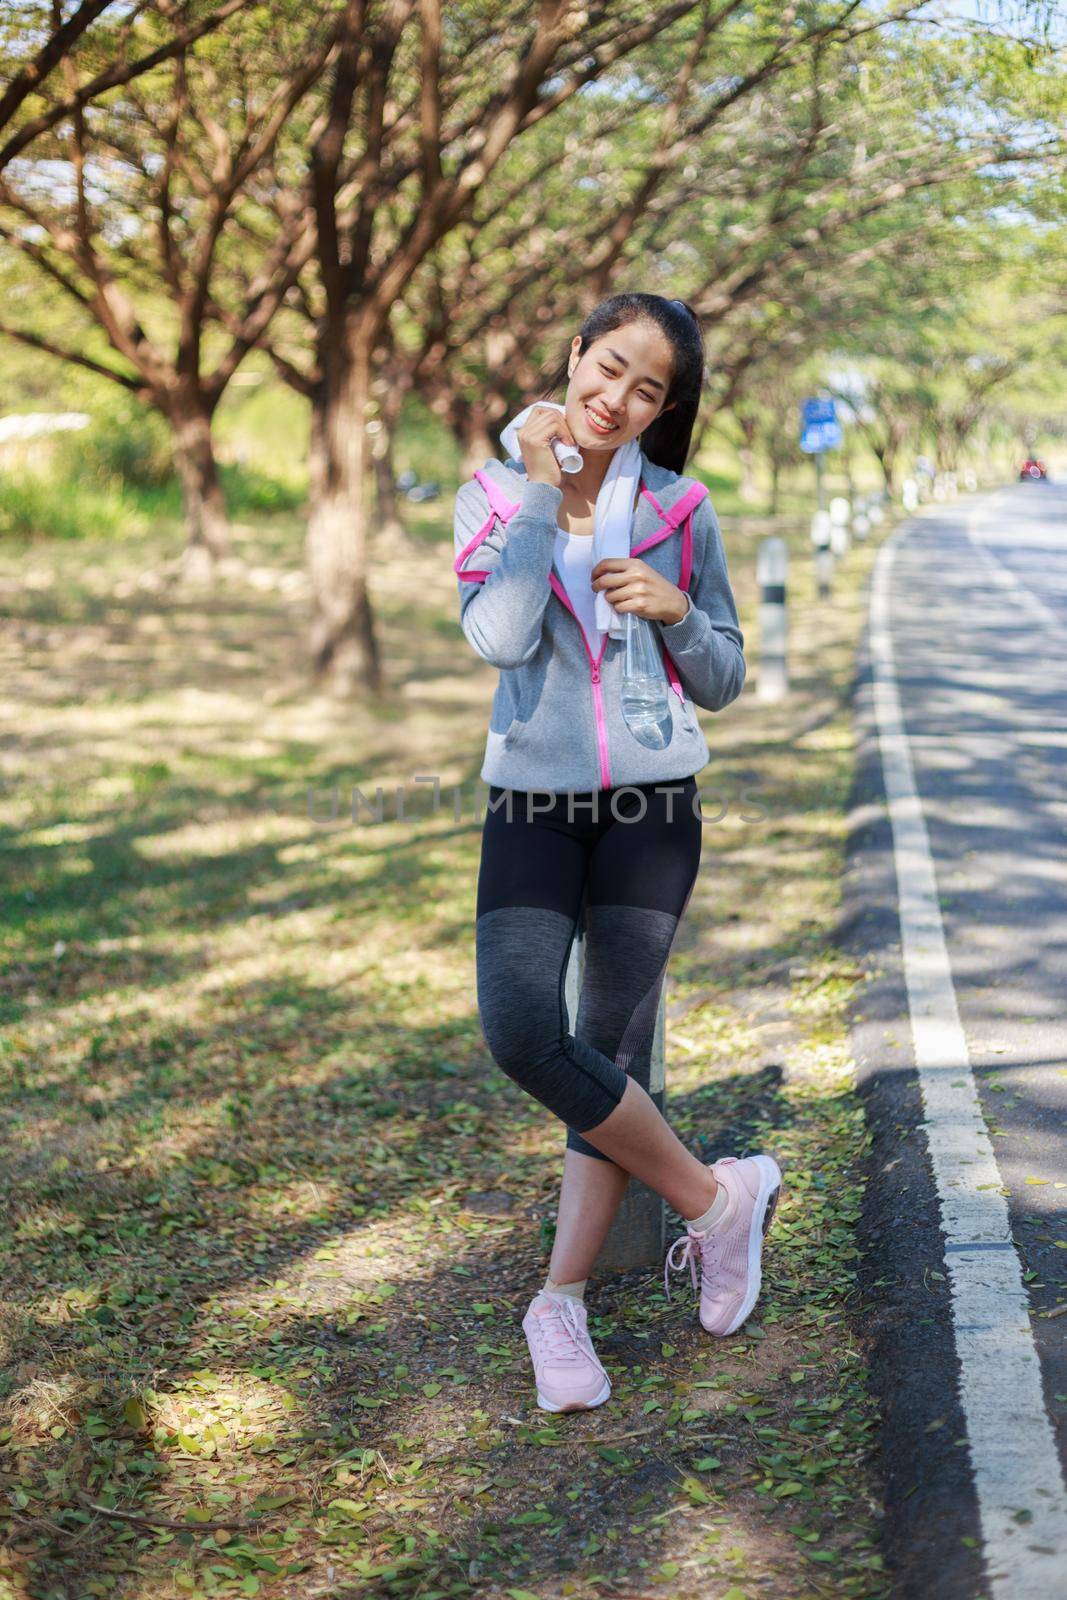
{"x": 635, "y": 851}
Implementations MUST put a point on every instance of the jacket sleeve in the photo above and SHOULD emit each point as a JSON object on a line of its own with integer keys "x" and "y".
{"x": 501, "y": 615}
{"x": 706, "y": 645}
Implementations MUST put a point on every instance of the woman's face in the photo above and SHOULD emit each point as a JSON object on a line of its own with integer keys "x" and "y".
{"x": 624, "y": 377}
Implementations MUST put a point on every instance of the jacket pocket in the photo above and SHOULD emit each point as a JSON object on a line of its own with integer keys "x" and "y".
{"x": 517, "y": 725}
{"x": 509, "y": 705}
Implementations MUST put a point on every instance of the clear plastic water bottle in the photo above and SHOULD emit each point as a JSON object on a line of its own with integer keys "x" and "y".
{"x": 645, "y": 706}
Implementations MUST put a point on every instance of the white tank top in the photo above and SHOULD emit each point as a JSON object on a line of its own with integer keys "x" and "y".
{"x": 574, "y": 563}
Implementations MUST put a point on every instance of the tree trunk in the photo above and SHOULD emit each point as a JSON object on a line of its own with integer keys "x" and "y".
{"x": 889, "y": 465}
{"x": 896, "y": 437}
{"x": 884, "y": 456}
{"x": 344, "y": 647}
{"x": 389, "y": 524}
{"x": 479, "y": 442}
{"x": 850, "y": 476}
{"x": 947, "y": 449}
{"x": 207, "y": 525}
{"x": 701, "y": 429}
{"x": 776, "y": 480}
{"x": 961, "y": 432}
{"x": 390, "y": 530}
{"x": 748, "y": 489}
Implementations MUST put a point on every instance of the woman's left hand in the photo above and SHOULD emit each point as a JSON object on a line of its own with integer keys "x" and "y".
{"x": 632, "y": 585}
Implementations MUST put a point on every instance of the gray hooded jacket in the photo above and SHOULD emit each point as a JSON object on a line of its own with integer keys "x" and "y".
{"x": 556, "y": 722}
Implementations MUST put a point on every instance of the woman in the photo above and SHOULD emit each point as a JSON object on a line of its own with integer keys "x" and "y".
{"x": 579, "y": 807}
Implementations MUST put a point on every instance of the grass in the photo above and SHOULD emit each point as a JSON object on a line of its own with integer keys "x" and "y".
{"x": 271, "y": 1216}
{"x": 35, "y": 508}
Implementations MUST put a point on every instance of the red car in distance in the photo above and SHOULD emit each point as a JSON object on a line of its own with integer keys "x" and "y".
{"x": 1032, "y": 468}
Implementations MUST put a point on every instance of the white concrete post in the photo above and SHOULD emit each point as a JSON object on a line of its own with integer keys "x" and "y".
{"x": 840, "y": 514}
{"x": 772, "y": 567}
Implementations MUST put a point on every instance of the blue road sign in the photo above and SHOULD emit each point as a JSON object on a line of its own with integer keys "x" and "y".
{"x": 819, "y": 427}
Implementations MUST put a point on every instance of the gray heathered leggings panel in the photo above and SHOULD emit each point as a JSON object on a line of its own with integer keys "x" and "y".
{"x": 626, "y": 953}
{"x": 522, "y": 954}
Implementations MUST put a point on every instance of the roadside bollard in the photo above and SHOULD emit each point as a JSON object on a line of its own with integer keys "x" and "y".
{"x": 638, "y": 1233}
{"x": 772, "y": 566}
{"x": 840, "y": 513}
{"x": 909, "y": 494}
{"x": 824, "y": 559}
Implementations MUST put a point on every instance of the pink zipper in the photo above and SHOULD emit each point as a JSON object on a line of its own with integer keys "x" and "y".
{"x": 594, "y": 678}
{"x": 601, "y": 725}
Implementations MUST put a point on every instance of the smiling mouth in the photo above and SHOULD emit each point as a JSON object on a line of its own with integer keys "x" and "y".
{"x": 596, "y": 424}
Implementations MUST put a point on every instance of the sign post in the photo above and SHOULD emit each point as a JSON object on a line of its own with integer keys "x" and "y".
{"x": 819, "y": 427}
{"x": 820, "y": 431}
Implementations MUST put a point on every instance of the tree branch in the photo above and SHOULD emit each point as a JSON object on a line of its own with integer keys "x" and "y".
{"x": 36, "y": 342}
{"x": 54, "y": 50}
{"x": 113, "y": 77}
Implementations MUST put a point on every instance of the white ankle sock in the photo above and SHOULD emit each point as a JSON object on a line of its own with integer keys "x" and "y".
{"x": 573, "y": 1291}
{"x": 711, "y": 1216}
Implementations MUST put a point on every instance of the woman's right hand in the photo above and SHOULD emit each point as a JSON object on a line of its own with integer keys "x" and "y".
{"x": 535, "y": 441}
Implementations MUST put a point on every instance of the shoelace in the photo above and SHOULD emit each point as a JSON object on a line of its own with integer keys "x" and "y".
{"x": 562, "y": 1330}
{"x": 694, "y": 1246}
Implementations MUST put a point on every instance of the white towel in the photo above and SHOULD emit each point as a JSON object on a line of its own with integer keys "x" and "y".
{"x": 613, "y": 514}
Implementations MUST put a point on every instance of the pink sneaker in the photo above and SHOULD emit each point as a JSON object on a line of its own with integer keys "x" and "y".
{"x": 568, "y": 1373}
{"x": 729, "y": 1253}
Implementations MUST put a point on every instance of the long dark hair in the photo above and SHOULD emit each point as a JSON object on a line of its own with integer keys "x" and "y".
{"x": 665, "y": 441}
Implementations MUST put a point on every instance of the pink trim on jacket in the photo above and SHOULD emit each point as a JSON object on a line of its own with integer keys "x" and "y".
{"x": 499, "y": 506}
{"x": 483, "y": 533}
{"x": 680, "y": 514}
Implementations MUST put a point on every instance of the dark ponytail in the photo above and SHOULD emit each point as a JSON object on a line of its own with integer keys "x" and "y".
{"x": 665, "y": 441}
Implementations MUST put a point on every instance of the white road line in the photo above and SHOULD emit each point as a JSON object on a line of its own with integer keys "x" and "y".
{"x": 992, "y": 742}
{"x": 1025, "y": 596}
{"x": 1019, "y": 1486}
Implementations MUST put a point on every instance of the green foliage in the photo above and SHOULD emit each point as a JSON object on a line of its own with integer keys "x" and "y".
{"x": 33, "y": 507}
{"x": 65, "y": 504}
{"x": 426, "y": 446}
{"x": 127, "y": 444}
{"x": 249, "y": 490}
{"x": 263, "y": 425}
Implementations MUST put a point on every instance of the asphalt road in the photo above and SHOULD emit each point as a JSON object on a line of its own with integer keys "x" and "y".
{"x": 977, "y": 621}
